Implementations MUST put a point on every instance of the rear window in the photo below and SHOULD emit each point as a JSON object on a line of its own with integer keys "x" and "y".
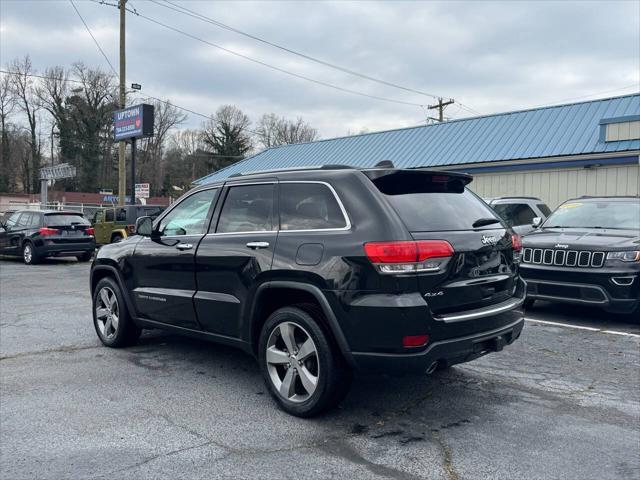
{"x": 438, "y": 211}
{"x": 309, "y": 206}
{"x": 65, "y": 219}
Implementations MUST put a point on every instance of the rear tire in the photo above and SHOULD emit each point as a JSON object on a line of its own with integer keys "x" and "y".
{"x": 111, "y": 318}
{"x": 302, "y": 368}
{"x": 29, "y": 254}
{"x": 85, "y": 257}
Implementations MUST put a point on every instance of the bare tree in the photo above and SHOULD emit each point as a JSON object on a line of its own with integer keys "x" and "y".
{"x": 22, "y": 83}
{"x": 273, "y": 131}
{"x": 166, "y": 118}
{"x": 226, "y": 135}
{"x": 7, "y": 106}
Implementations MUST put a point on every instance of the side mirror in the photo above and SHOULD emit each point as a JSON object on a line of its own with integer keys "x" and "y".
{"x": 537, "y": 221}
{"x": 144, "y": 226}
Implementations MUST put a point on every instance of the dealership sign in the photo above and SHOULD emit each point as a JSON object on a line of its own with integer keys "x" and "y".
{"x": 133, "y": 122}
{"x": 142, "y": 190}
{"x": 62, "y": 170}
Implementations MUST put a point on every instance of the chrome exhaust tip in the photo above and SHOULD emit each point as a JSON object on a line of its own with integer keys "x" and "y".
{"x": 432, "y": 368}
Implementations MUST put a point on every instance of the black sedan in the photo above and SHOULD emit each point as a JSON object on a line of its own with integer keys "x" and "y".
{"x": 36, "y": 234}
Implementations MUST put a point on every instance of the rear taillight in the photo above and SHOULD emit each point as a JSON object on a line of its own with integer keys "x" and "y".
{"x": 516, "y": 242}
{"x": 90, "y": 231}
{"x": 48, "y": 231}
{"x": 409, "y": 256}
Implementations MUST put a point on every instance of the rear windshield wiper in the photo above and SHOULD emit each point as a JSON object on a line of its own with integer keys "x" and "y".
{"x": 481, "y": 222}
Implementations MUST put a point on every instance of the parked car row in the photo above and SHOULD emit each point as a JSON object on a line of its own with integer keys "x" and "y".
{"x": 38, "y": 234}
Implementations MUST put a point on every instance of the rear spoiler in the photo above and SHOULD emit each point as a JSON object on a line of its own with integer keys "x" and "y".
{"x": 419, "y": 180}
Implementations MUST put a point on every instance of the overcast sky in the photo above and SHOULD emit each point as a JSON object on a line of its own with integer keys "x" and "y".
{"x": 491, "y": 56}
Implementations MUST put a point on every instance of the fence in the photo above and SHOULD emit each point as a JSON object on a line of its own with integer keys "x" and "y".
{"x": 87, "y": 209}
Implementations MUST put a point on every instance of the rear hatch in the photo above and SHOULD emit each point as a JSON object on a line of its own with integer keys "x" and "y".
{"x": 67, "y": 227}
{"x": 482, "y": 270}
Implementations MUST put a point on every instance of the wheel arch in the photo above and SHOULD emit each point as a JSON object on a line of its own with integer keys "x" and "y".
{"x": 99, "y": 272}
{"x": 262, "y": 306}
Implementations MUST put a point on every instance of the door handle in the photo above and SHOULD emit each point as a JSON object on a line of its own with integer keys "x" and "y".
{"x": 256, "y": 245}
{"x": 184, "y": 246}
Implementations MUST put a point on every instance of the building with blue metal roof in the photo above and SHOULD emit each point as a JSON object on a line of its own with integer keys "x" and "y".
{"x": 551, "y": 152}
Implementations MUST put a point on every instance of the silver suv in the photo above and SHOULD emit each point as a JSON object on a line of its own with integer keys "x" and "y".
{"x": 520, "y": 213}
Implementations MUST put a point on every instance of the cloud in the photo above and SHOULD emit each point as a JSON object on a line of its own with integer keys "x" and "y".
{"x": 492, "y": 56}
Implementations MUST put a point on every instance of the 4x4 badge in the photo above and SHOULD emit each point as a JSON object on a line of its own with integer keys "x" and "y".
{"x": 489, "y": 240}
{"x": 561, "y": 245}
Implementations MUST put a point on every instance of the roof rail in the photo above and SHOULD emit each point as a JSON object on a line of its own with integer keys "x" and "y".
{"x": 293, "y": 169}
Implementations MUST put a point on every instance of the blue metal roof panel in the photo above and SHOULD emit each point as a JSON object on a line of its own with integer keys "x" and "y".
{"x": 560, "y": 130}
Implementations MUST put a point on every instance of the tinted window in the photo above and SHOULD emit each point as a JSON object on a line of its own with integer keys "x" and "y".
{"x": 515, "y": 214}
{"x": 34, "y": 221}
{"x": 189, "y": 217}
{"x": 247, "y": 209}
{"x": 108, "y": 215}
{"x": 307, "y": 206}
{"x": 604, "y": 214}
{"x": 426, "y": 212}
{"x": 546, "y": 211}
{"x": 24, "y": 220}
{"x": 64, "y": 219}
{"x": 121, "y": 215}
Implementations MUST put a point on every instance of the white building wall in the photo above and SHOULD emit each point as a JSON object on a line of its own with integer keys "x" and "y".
{"x": 554, "y": 186}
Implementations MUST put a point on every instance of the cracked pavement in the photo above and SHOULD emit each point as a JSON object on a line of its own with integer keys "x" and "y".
{"x": 559, "y": 403}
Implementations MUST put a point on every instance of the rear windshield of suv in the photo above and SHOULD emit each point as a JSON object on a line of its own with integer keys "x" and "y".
{"x": 64, "y": 219}
{"x": 596, "y": 214}
{"x": 437, "y": 211}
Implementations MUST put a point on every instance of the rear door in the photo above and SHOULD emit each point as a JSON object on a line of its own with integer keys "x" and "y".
{"x": 481, "y": 271}
{"x": 163, "y": 266}
{"x": 235, "y": 255}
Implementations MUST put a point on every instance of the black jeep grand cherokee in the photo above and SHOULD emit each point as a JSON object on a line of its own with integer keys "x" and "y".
{"x": 318, "y": 272}
{"x": 587, "y": 252}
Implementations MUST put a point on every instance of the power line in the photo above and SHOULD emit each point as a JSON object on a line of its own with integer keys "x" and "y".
{"x": 94, "y": 38}
{"x": 273, "y": 67}
{"x": 204, "y": 18}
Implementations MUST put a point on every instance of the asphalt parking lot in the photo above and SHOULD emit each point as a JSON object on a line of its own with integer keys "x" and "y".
{"x": 563, "y": 402}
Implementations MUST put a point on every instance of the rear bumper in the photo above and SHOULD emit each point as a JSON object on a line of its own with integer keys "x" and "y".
{"x": 445, "y": 352}
{"x": 62, "y": 249}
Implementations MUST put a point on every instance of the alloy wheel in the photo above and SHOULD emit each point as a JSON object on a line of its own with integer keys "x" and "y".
{"x": 292, "y": 362}
{"x": 27, "y": 253}
{"x": 107, "y": 312}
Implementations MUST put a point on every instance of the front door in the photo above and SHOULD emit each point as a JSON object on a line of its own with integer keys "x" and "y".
{"x": 235, "y": 255}
{"x": 8, "y": 233}
{"x": 163, "y": 273}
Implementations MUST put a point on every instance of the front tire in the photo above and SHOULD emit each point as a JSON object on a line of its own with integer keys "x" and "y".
{"x": 303, "y": 370}
{"x": 29, "y": 254}
{"x": 111, "y": 319}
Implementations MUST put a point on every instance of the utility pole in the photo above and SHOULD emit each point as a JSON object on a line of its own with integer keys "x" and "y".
{"x": 441, "y": 106}
{"x": 122, "y": 172}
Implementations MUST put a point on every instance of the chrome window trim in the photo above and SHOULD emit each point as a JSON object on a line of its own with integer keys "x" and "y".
{"x": 340, "y": 205}
{"x": 240, "y": 233}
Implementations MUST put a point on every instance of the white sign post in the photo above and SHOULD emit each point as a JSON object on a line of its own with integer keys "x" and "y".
{"x": 142, "y": 190}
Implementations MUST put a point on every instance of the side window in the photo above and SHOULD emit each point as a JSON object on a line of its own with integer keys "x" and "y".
{"x": 247, "y": 209}
{"x": 121, "y": 215}
{"x": 24, "y": 219}
{"x": 99, "y": 217}
{"x": 189, "y": 217}
{"x": 35, "y": 220}
{"x": 108, "y": 215}
{"x": 13, "y": 219}
{"x": 309, "y": 206}
{"x": 515, "y": 214}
